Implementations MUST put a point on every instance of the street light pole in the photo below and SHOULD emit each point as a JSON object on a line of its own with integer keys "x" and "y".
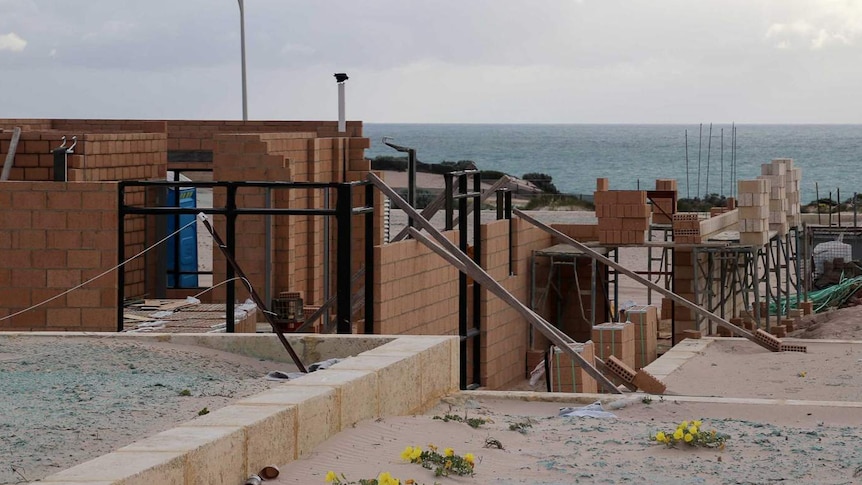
{"x": 242, "y": 47}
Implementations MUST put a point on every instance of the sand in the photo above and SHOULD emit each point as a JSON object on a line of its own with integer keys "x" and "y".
{"x": 64, "y": 401}
{"x": 767, "y": 444}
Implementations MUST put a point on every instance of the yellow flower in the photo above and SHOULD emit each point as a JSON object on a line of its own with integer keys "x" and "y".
{"x": 409, "y": 481}
{"x": 416, "y": 453}
{"x": 385, "y": 478}
{"x": 469, "y": 458}
{"x": 449, "y": 452}
{"x": 697, "y": 423}
{"x": 688, "y": 437}
{"x": 660, "y": 437}
{"x": 692, "y": 429}
{"x": 406, "y": 455}
{"x": 331, "y": 476}
{"x": 684, "y": 424}
{"x": 432, "y": 447}
{"x": 677, "y": 435}
{"x": 448, "y": 464}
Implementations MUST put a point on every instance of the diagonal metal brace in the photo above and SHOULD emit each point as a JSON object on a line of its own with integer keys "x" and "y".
{"x": 453, "y": 255}
{"x": 254, "y": 296}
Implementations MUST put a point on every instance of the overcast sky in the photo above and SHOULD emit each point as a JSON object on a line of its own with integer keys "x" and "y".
{"x": 453, "y": 61}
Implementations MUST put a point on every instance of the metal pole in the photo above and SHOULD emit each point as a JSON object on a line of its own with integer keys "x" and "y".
{"x": 369, "y": 260}
{"x": 227, "y": 251}
{"x": 121, "y": 254}
{"x": 343, "y": 308}
{"x": 242, "y": 49}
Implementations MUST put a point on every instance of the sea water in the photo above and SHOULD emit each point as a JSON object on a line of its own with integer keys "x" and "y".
{"x": 633, "y": 156}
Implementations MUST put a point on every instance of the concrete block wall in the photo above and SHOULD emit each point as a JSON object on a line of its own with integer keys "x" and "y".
{"x": 298, "y": 241}
{"x": 505, "y": 333}
{"x": 416, "y": 291}
{"x": 124, "y": 156}
{"x": 56, "y": 236}
{"x": 528, "y": 238}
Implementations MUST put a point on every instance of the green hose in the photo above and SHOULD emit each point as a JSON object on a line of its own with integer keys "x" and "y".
{"x": 832, "y": 297}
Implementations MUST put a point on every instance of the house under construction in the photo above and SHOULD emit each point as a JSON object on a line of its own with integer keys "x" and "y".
{"x": 302, "y": 215}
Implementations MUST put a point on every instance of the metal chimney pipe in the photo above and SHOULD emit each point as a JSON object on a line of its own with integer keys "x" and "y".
{"x": 342, "y": 120}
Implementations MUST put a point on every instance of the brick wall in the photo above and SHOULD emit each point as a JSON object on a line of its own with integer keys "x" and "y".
{"x": 56, "y": 236}
{"x": 416, "y": 291}
{"x": 298, "y": 241}
{"x": 124, "y": 156}
{"x": 505, "y": 333}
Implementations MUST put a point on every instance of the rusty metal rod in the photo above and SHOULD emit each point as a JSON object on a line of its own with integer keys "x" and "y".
{"x": 254, "y": 296}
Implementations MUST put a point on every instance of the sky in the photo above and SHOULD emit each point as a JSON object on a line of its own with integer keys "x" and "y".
{"x": 441, "y": 61}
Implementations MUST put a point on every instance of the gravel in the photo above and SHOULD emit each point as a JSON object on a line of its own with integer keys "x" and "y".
{"x": 67, "y": 400}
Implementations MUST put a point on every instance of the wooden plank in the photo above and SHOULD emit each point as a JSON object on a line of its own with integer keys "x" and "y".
{"x": 10, "y": 156}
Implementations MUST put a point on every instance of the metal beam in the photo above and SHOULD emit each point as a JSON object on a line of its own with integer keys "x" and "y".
{"x": 649, "y": 284}
{"x": 254, "y": 296}
{"x": 450, "y": 252}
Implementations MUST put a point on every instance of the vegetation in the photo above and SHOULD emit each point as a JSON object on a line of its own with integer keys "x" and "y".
{"x": 827, "y": 205}
{"x": 558, "y": 201}
{"x": 399, "y": 164}
{"x": 542, "y": 181}
{"x": 697, "y": 204}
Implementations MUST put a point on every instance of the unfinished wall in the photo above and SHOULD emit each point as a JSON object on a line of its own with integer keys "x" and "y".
{"x": 416, "y": 291}
{"x": 298, "y": 244}
{"x": 55, "y": 236}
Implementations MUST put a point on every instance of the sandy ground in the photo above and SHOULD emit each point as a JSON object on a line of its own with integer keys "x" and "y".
{"x": 766, "y": 445}
{"x": 65, "y": 401}
{"x": 739, "y": 368}
{"x": 841, "y": 324}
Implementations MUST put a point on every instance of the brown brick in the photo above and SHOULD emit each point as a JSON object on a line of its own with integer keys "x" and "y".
{"x": 65, "y": 317}
{"x": 647, "y": 383}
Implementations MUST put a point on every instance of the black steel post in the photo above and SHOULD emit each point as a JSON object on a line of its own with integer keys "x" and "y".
{"x": 462, "y": 278}
{"x": 477, "y": 288}
{"x": 411, "y": 181}
{"x": 343, "y": 209}
{"x": 500, "y": 196}
{"x": 60, "y": 155}
{"x": 449, "y": 205}
{"x": 369, "y": 260}
{"x": 230, "y": 247}
{"x": 511, "y": 232}
{"x": 121, "y": 254}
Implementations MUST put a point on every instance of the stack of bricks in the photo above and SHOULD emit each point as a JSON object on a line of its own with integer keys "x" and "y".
{"x": 645, "y": 322}
{"x": 776, "y": 173}
{"x": 684, "y": 285}
{"x": 663, "y": 209}
{"x": 793, "y": 178}
{"x": 753, "y": 211}
{"x": 567, "y": 374}
{"x": 623, "y": 215}
{"x": 686, "y": 228}
{"x": 617, "y": 339}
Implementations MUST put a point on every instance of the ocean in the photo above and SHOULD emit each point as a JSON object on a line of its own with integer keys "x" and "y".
{"x": 633, "y": 156}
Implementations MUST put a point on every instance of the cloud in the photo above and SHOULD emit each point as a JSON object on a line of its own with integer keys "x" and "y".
{"x": 817, "y": 25}
{"x": 12, "y": 42}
